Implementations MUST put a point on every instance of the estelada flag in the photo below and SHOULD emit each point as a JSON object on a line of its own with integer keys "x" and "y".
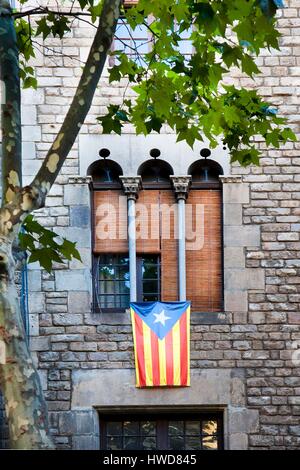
{"x": 161, "y": 333}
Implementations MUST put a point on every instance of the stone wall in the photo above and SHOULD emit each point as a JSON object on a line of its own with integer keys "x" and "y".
{"x": 253, "y": 343}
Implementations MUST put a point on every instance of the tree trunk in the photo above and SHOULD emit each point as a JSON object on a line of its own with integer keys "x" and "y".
{"x": 25, "y": 406}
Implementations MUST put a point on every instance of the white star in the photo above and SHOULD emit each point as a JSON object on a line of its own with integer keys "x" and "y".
{"x": 161, "y": 318}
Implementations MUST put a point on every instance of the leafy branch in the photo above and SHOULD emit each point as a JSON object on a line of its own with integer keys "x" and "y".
{"x": 45, "y": 246}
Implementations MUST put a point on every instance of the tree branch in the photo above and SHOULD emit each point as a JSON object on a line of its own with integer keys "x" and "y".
{"x": 10, "y": 107}
{"x": 81, "y": 102}
{"x": 46, "y": 11}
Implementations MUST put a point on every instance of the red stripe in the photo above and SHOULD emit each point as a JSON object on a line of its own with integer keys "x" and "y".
{"x": 155, "y": 359}
{"x": 169, "y": 358}
{"x": 183, "y": 350}
{"x": 139, "y": 337}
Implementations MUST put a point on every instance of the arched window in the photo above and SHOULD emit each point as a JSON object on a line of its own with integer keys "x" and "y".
{"x": 205, "y": 172}
{"x": 155, "y": 171}
{"x": 155, "y": 219}
{"x": 204, "y": 230}
{"x": 110, "y": 245}
{"x": 105, "y": 173}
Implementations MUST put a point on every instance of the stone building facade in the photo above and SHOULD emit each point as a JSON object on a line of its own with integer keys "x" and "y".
{"x": 244, "y": 359}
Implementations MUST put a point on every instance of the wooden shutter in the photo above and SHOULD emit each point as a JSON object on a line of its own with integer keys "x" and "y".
{"x": 148, "y": 222}
{"x": 204, "y": 266}
{"x": 110, "y": 222}
{"x": 169, "y": 250}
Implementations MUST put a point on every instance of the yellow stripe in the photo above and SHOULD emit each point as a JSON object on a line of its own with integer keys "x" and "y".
{"x": 137, "y": 376}
{"x": 188, "y": 344}
{"x": 162, "y": 361}
{"x": 148, "y": 355}
{"x": 176, "y": 353}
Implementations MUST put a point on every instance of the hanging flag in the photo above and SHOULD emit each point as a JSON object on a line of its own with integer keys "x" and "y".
{"x": 161, "y": 333}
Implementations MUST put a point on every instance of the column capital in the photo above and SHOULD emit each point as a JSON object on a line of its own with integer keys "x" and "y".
{"x": 181, "y": 186}
{"x": 131, "y": 186}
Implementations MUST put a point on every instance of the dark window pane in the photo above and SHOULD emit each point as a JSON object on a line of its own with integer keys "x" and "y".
{"x": 148, "y": 443}
{"x": 114, "y": 428}
{"x": 106, "y": 273}
{"x": 131, "y": 443}
{"x": 131, "y": 428}
{"x": 209, "y": 427}
{"x": 176, "y": 427}
{"x": 113, "y": 278}
{"x": 132, "y": 433}
{"x": 150, "y": 298}
{"x": 124, "y": 302}
{"x": 192, "y": 443}
{"x": 114, "y": 443}
{"x": 176, "y": 443}
{"x": 149, "y": 259}
{"x": 192, "y": 428}
{"x": 148, "y": 428}
{"x": 150, "y": 287}
{"x": 210, "y": 443}
{"x": 150, "y": 271}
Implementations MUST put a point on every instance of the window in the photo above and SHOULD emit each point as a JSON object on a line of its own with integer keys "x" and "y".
{"x": 138, "y": 41}
{"x": 156, "y": 233}
{"x": 112, "y": 284}
{"x": 133, "y": 42}
{"x": 148, "y": 278}
{"x": 163, "y": 431}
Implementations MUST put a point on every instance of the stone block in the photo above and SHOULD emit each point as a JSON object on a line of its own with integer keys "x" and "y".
{"x": 77, "y": 194}
{"x": 80, "y": 216}
{"x": 73, "y": 280}
{"x": 79, "y": 302}
{"x": 31, "y": 167}
{"x": 234, "y": 257}
{"x": 33, "y": 324}
{"x": 40, "y": 344}
{"x": 209, "y": 387}
{"x": 43, "y": 374}
{"x": 86, "y": 442}
{"x": 28, "y": 115}
{"x": 78, "y": 422}
{"x": 241, "y": 235}
{"x": 28, "y": 150}
{"x": 236, "y": 193}
{"x": 82, "y": 236}
{"x": 86, "y": 259}
{"x": 31, "y": 133}
{"x": 36, "y": 302}
{"x": 238, "y": 441}
{"x": 66, "y": 319}
{"x": 235, "y": 301}
{"x": 243, "y": 420}
{"x": 31, "y": 96}
{"x": 233, "y": 214}
{"x": 34, "y": 280}
{"x": 244, "y": 279}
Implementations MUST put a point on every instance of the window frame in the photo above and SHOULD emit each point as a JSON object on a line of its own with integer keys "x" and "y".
{"x": 139, "y": 258}
{"x": 150, "y": 37}
{"x": 162, "y": 419}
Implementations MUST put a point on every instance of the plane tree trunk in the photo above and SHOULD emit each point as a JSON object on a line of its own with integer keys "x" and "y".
{"x": 25, "y": 406}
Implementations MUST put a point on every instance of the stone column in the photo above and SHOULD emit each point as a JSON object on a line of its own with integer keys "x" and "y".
{"x": 131, "y": 186}
{"x": 181, "y": 186}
